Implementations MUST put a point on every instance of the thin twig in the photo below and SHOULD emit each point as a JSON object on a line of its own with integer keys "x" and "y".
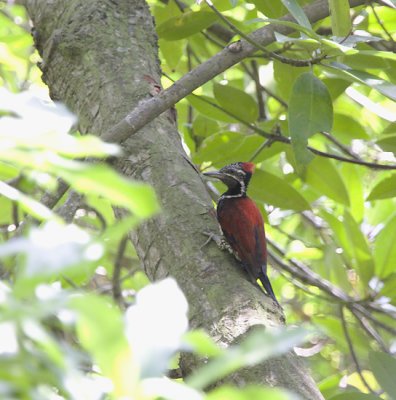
{"x": 352, "y": 350}
{"x": 341, "y": 146}
{"x": 371, "y": 332}
{"x": 259, "y": 94}
{"x": 380, "y": 23}
{"x": 116, "y": 283}
{"x": 269, "y": 54}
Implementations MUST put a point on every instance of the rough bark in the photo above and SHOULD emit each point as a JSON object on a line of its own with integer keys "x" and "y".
{"x": 95, "y": 55}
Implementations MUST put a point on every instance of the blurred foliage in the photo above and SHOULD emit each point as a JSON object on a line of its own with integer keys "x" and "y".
{"x": 330, "y": 213}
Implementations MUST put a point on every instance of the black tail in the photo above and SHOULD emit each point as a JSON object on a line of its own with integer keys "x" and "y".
{"x": 267, "y": 286}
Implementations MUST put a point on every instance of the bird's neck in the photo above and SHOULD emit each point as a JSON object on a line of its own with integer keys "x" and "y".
{"x": 235, "y": 191}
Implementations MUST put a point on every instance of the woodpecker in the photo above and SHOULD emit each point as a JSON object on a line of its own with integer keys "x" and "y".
{"x": 241, "y": 222}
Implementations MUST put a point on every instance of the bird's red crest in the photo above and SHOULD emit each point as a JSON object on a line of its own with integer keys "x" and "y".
{"x": 248, "y": 167}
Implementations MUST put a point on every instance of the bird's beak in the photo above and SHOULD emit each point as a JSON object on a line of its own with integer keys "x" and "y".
{"x": 214, "y": 174}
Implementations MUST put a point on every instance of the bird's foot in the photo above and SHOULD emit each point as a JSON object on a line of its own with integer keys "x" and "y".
{"x": 220, "y": 240}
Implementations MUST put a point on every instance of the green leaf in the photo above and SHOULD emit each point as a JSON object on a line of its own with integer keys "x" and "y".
{"x": 172, "y": 51}
{"x": 335, "y": 86}
{"x": 340, "y": 19}
{"x": 28, "y": 204}
{"x": 384, "y": 366}
{"x": 385, "y": 249}
{"x": 185, "y": 25}
{"x": 387, "y": 142}
{"x": 270, "y": 8}
{"x": 100, "y": 331}
{"x": 354, "y": 396}
{"x": 362, "y": 257}
{"x": 384, "y": 189}
{"x": 310, "y": 111}
{"x": 236, "y": 102}
{"x": 209, "y": 107}
{"x": 202, "y": 344}
{"x": 285, "y": 77}
{"x": 346, "y": 128}
{"x": 137, "y": 197}
{"x": 322, "y": 175}
{"x": 259, "y": 345}
{"x": 227, "y": 147}
{"x": 297, "y": 12}
{"x": 384, "y": 87}
{"x": 204, "y": 126}
{"x": 353, "y": 179}
{"x": 271, "y": 189}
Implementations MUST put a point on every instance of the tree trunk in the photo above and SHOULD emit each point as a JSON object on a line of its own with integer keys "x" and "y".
{"x": 100, "y": 57}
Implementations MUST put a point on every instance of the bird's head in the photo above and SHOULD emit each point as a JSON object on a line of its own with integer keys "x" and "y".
{"x": 236, "y": 176}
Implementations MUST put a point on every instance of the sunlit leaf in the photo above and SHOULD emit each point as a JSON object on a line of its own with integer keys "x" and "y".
{"x": 201, "y": 343}
{"x": 387, "y": 142}
{"x": 385, "y": 249}
{"x": 386, "y": 88}
{"x": 100, "y": 330}
{"x": 384, "y": 189}
{"x": 207, "y": 106}
{"x": 28, "y": 204}
{"x": 310, "y": 111}
{"x": 274, "y": 190}
{"x": 322, "y": 175}
{"x": 236, "y": 102}
{"x": 297, "y": 12}
{"x": 226, "y": 147}
{"x": 340, "y": 19}
{"x": 185, "y": 25}
{"x": 383, "y": 366}
{"x": 363, "y": 259}
{"x": 137, "y": 197}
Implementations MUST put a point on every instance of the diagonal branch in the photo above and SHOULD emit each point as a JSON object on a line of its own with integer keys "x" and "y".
{"x": 148, "y": 110}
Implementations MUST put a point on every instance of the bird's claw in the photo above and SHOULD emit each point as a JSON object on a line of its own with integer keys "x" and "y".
{"x": 220, "y": 240}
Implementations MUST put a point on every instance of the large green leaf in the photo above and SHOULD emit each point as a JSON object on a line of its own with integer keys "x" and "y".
{"x": 209, "y": 107}
{"x": 353, "y": 178}
{"x": 27, "y": 203}
{"x": 185, "y": 25}
{"x": 385, "y": 249}
{"x": 384, "y": 189}
{"x": 347, "y": 128}
{"x": 236, "y": 102}
{"x": 310, "y": 111}
{"x": 323, "y": 176}
{"x": 137, "y": 197}
{"x": 297, "y": 12}
{"x": 271, "y": 189}
{"x": 100, "y": 331}
{"x": 340, "y": 19}
{"x": 285, "y": 77}
{"x": 363, "y": 260}
{"x": 384, "y": 367}
{"x": 99, "y": 179}
{"x": 386, "y": 88}
{"x": 270, "y": 8}
{"x": 387, "y": 142}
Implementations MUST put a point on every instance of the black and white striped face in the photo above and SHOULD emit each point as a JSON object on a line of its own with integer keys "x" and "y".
{"x": 236, "y": 176}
